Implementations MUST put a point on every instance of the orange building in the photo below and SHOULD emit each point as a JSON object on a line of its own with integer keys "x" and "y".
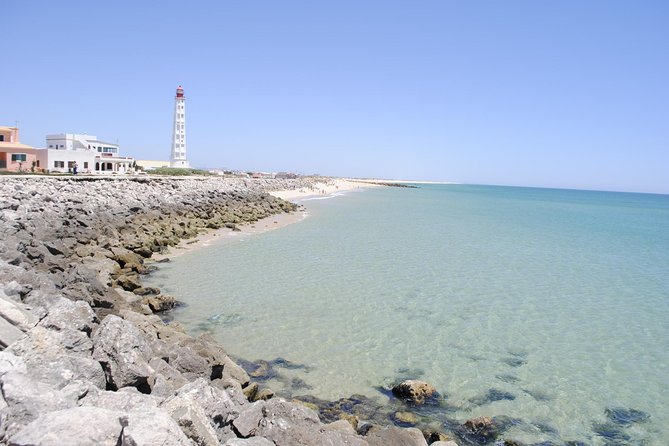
{"x": 14, "y": 156}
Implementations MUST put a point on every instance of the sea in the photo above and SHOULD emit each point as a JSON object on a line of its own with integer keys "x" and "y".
{"x": 547, "y": 306}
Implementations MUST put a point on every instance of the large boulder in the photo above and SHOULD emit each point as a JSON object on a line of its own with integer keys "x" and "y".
{"x": 43, "y": 342}
{"x": 71, "y": 315}
{"x": 124, "y": 400}
{"x": 128, "y": 282}
{"x": 479, "y": 430}
{"x": 73, "y": 426}
{"x": 197, "y": 402}
{"x": 394, "y": 436}
{"x": 59, "y": 371}
{"x": 17, "y": 314}
{"x": 127, "y": 258}
{"x": 153, "y": 426}
{"x": 168, "y": 379}
{"x": 124, "y": 354}
{"x": 288, "y": 423}
{"x": 414, "y": 391}
{"x": 190, "y": 364}
{"x": 9, "y": 333}
{"x": 192, "y": 420}
{"x": 158, "y": 303}
{"x": 27, "y": 399}
{"x": 9, "y": 362}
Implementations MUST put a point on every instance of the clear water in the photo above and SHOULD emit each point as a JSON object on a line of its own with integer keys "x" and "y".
{"x": 560, "y": 298}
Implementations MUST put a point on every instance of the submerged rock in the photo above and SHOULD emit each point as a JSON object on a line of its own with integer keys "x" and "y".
{"x": 625, "y": 416}
{"x": 479, "y": 430}
{"x": 414, "y": 391}
{"x": 491, "y": 396}
{"x": 406, "y": 418}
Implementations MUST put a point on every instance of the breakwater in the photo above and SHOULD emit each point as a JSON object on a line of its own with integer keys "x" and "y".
{"x": 86, "y": 361}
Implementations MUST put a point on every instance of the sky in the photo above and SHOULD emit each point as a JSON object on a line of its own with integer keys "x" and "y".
{"x": 571, "y": 94}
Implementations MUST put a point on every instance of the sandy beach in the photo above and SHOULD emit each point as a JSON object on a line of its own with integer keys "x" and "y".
{"x": 226, "y": 235}
{"x": 327, "y": 187}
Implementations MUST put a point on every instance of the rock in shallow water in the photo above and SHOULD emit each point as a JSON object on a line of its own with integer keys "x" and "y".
{"x": 625, "y": 417}
{"x": 414, "y": 391}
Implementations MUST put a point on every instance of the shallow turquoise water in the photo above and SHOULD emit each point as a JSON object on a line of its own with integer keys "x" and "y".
{"x": 558, "y": 298}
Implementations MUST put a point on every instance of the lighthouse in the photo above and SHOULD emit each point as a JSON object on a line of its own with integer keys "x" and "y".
{"x": 178, "y": 157}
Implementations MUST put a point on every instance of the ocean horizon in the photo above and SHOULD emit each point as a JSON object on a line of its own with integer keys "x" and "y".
{"x": 548, "y": 306}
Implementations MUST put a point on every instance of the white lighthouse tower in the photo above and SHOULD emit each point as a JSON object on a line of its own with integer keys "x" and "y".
{"x": 178, "y": 157}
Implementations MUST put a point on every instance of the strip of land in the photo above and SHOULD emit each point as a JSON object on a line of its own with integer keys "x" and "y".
{"x": 86, "y": 360}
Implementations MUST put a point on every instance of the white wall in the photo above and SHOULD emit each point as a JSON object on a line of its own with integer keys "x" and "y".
{"x": 48, "y": 158}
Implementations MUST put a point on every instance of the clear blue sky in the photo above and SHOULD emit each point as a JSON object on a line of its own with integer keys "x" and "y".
{"x": 539, "y": 93}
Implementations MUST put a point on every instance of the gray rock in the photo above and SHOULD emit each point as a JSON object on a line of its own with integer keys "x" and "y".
{"x": 253, "y": 441}
{"x": 44, "y": 342}
{"x": 193, "y": 421}
{"x": 27, "y": 399}
{"x": 190, "y": 364}
{"x": 152, "y": 427}
{"x": 14, "y": 289}
{"x": 124, "y": 400}
{"x": 73, "y": 426}
{"x": 444, "y": 443}
{"x": 216, "y": 403}
{"x": 9, "y": 362}
{"x": 4, "y": 415}
{"x": 59, "y": 371}
{"x": 17, "y": 314}
{"x": 72, "y": 315}
{"x": 124, "y": 354}
{"x": 162, "y": 388}
{"x": 9, "y": 333}
{"x": 171, "y": 378}
{"x": 128, "y": 282}
{"x": 394, "y": 436}
{"x": 288, "y": 423}
{"x": 233, "y": 371}
{"x": 342, "y": 426}
{"x": 247, "y": 423}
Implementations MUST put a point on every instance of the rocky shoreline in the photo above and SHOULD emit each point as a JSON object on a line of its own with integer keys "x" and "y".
{"x": 84, "y": 358}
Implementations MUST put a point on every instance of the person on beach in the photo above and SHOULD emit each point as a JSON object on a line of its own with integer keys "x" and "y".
{"x": 75, "y": 168}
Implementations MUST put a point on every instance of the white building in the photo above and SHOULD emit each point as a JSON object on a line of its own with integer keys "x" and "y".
{"x": 73, "y": 141}
{"x": 65, "y": 150}
{"x": 178, "y": 155}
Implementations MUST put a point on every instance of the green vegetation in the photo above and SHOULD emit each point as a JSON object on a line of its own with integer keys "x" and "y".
{"x": 177, "y": 171}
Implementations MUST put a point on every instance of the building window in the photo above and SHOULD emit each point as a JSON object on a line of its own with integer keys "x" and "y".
{"x": 61, "y": 146}
{"x": 18, "y": 157}
{"x": 37, "y": 163}
{"x": 51, "y": 146}
{"x": 2, "y": 137}
{"x": 85, "y": 164}
{"x": 60, "y": 164}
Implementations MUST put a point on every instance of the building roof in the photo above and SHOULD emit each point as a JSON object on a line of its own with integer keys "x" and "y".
{"x": 14, "y": 145}
{"x": 102, "y": 142}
